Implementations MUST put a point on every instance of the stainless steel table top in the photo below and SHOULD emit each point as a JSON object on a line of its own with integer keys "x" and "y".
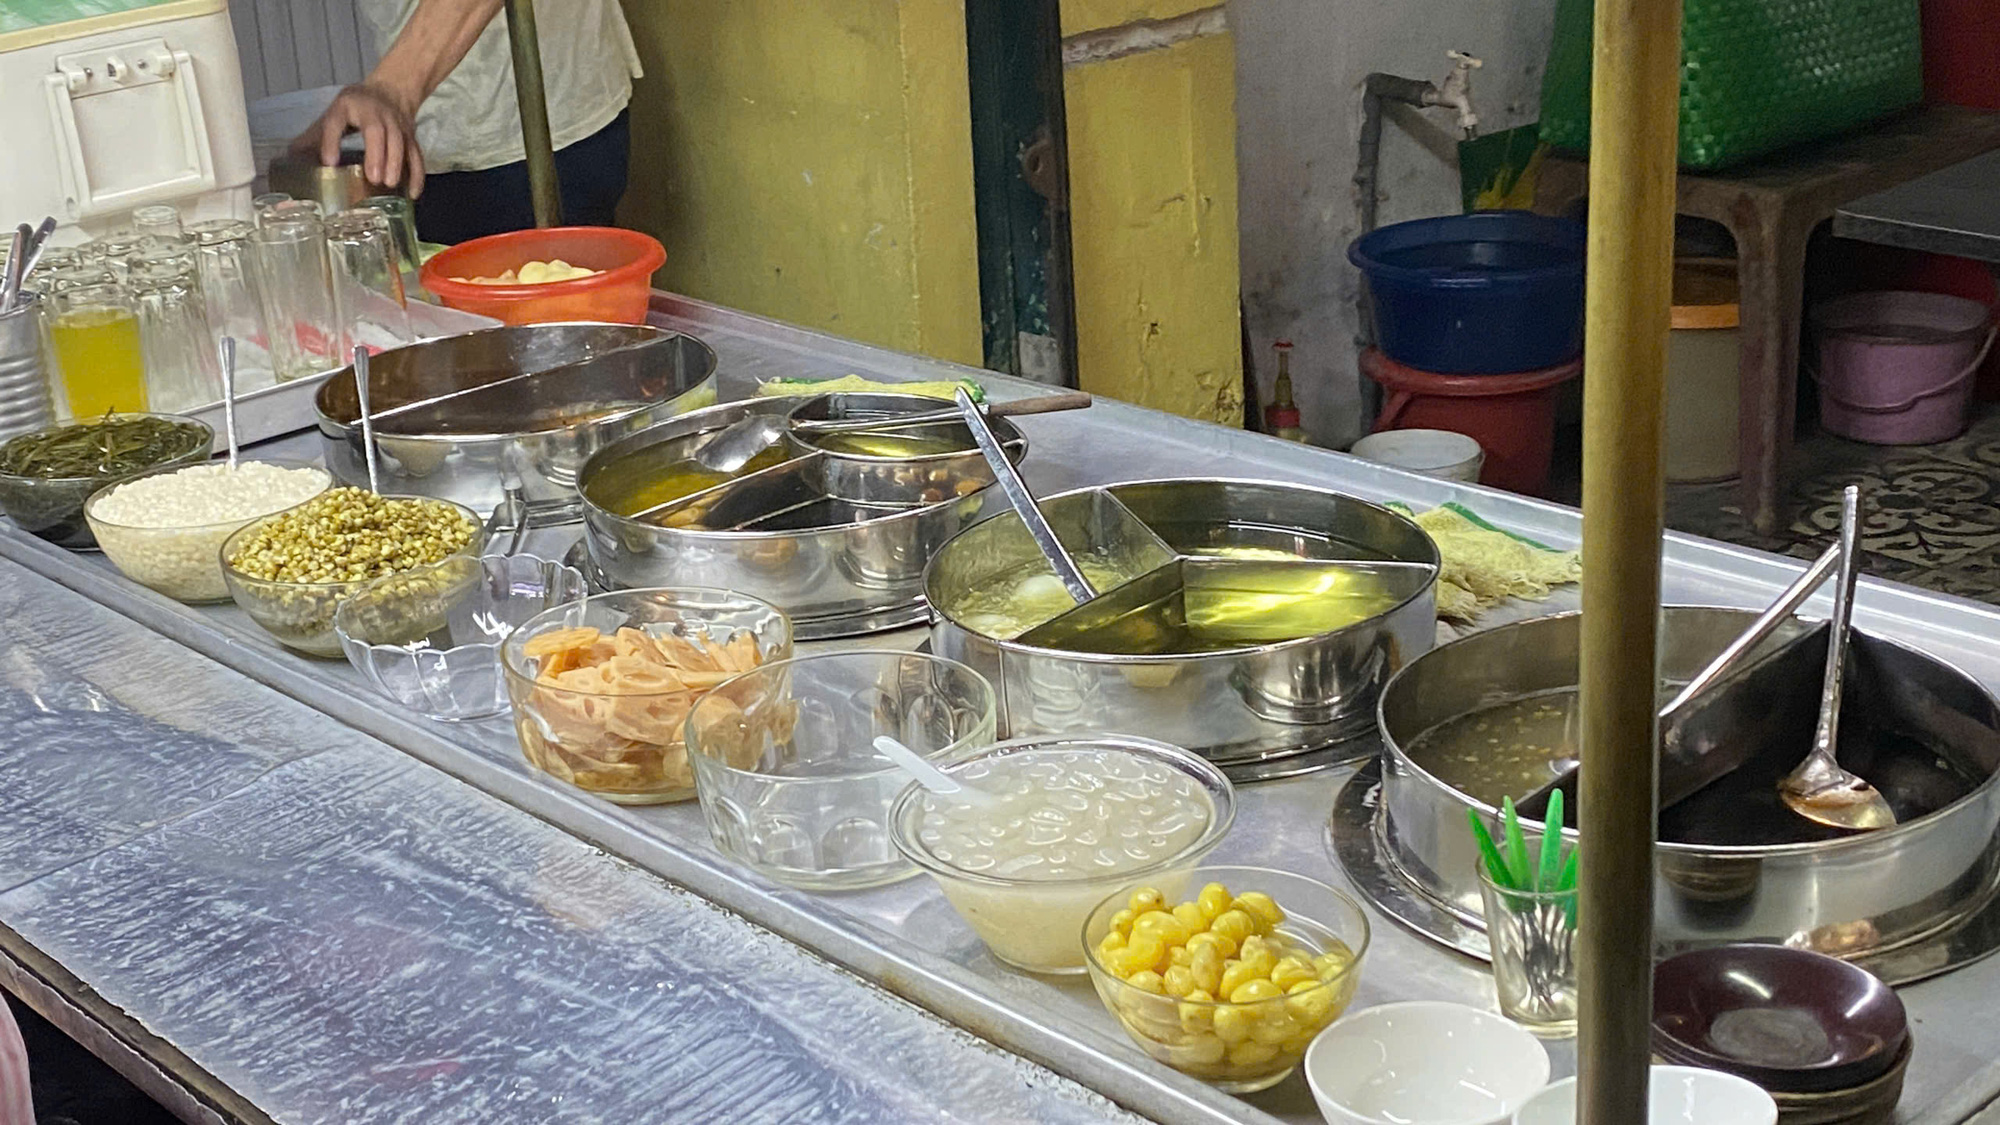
{"x": 904, "y": 935}
{"x": 1954, "y": 210}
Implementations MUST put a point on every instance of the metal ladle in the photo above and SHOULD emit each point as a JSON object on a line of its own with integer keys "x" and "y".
{"x": 733, "y": 447}
{"x": 225, "y": 353}
{"x": 1016, "y": 490}
{"x": 368, "y": 453}
{"x": 1819, "y": 789}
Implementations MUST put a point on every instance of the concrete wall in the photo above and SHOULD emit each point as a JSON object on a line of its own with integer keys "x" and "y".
{"x": 812, "y": 162}
{"x": 1148, "y": 90}
{"x": 1299, "y": 66}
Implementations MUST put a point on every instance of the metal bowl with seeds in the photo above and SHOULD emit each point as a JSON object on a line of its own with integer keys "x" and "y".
{"x": 290, "y": 571}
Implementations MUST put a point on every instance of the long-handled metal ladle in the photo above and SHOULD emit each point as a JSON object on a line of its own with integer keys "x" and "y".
{"x": 1820, "y": 790}
{"x": 225, "y": 354}
{"x": 368, "y": 453}
{"x": 1016, "y": 490}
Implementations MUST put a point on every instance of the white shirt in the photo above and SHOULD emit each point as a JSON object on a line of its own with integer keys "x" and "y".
{"x": 473, "y": 121}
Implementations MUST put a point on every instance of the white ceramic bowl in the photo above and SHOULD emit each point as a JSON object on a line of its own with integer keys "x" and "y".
{"x": 1424, "y": 1063}
{"x": 1679, "y": 1095}
{"x": 1434, "y": 453}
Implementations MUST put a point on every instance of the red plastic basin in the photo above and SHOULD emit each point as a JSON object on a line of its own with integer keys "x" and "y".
{"x": 618, "y": 295}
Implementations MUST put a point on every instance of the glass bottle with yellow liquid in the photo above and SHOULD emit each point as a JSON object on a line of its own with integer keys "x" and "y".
{"x": 95, "y": 336}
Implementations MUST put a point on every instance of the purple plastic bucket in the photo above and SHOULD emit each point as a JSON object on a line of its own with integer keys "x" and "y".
{"x": 1896, "y": 368}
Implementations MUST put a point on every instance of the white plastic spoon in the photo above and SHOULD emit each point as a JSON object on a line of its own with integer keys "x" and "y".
{"x": 929, "y": 776}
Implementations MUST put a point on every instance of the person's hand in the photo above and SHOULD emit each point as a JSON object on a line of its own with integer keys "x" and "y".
{"x": 387, "y": 129}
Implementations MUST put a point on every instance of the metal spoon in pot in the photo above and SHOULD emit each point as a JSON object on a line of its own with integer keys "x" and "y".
{"x": 1820, "y": 790}
{"x": 734, "y": 446}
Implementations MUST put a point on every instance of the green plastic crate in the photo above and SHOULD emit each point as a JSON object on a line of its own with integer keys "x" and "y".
{"x": 1756, "y": 75}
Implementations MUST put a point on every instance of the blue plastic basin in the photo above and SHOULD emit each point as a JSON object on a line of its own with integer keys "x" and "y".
{"x": 1482, "y": 294}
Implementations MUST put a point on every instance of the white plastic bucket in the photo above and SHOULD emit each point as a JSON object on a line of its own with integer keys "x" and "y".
{"x": 1434, "y": 453}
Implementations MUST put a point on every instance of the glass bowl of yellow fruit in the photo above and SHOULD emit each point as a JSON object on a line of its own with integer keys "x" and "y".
{"x": 1231, "y": 985}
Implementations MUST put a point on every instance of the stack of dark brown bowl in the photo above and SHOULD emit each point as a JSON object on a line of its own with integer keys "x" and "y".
{"x": 1826, "y": 1039}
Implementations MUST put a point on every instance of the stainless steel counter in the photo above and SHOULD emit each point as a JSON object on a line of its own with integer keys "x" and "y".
{"x": 431, "y": 854}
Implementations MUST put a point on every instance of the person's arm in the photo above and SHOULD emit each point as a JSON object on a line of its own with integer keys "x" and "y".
{"x": 383, "y": 107}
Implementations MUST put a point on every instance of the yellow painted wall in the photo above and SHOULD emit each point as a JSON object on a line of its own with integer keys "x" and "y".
{"x": 1152, "y": 158}
{"x": 812, "y": 162}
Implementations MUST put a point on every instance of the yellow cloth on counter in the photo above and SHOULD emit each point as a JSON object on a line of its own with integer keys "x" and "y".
{"x": 855, "y": 384}
{"x": 1483, "y": 565}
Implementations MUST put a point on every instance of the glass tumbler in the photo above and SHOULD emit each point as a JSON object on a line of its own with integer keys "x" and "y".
{"x": 402, "y": 216}
{"x": 94, "y": 334}
{"x": 1532, "y": 935}
{"x": 785, "y": 764}
{"x": 158, "y": 220}
{"x": 290, "y": 210}
{"x": 182, "y": 371}
{"x": 261, "y": 204}
{"x": 367, "y": 285}
{"x": 229, "y": 289}
{"x": 295, "y": 287}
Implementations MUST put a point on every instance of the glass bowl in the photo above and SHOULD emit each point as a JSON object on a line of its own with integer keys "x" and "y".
{"x": 184, "y": 562}
{"x": 430, "y": 638}
{"x": 785, "y": 762}
{"x": 628, "y": 746}
{"x": 299, "y": 615}
{"x": 1031, "y": 923}
{"x": 1247, "y": 1045}
{"x": 52, "y": 507}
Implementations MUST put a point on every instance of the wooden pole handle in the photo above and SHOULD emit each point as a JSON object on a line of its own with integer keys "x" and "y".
{"x": 1040, "y": 404}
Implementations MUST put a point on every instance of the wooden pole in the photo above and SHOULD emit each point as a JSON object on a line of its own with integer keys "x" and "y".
{"x": 1634, "y": 112}
{"x": 544, "y": 189}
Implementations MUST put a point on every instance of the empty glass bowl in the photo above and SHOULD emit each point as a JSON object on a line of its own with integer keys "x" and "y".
{"x": 430, "y": 638}
{"x": 785, "y": 762}
{"x": 591, "y": 710}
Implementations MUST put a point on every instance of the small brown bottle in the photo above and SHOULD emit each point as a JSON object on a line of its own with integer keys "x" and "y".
{"x": 1281, "y": 417}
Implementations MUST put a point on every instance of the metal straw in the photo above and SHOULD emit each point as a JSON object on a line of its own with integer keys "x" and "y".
{"x": 17, "y": 267}
{"x": 225, "y": 350}
{"x": 367, "y": 420}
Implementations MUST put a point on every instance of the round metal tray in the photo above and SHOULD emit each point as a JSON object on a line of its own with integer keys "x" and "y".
{"x": 1355, "y": 837}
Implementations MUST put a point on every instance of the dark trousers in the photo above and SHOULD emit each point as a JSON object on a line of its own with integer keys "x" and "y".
{"x": 458, "y": 206}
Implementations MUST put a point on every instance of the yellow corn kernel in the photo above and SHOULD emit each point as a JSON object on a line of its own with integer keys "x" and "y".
{"x": 1110, "y": 943}
{"x": 1259, "y": 963}
{"x": 1255, "y": 947}
{"x": 1246, "y": 1054}
{"x": 1200, "y": 1051}
{"x": 1213, "y": 900}
{"x": 1144, "y": 899}
{"x": 1181, "y": 955}
{"x": 1261, "y": 907}
{"x": 1234, "y": 1025}
{"x": 1251, "y": 991}
{"x": 1292, "y": 970}
{"x": 1310, "y": 1004}
{"x": 1197, "y": 1015}
{"x": 1224, "y": 946}
{"x": 1157, "y": 1020}
{"x": 1141, "y": 954}
{"x": 1276, "y": 1029}
{"x": 1234, "y": 925}
{"x": 1169, "y": 929}
{"x": 1191, "y": 916}
{"x": 1206, "y": 965}
{"x": 1332, "y": 963}
{"x": 1146, "y": 980}
{"x": 1121, "y": 922}
{"x": 1179, "y": 981}
{"x": 1236, "y": 974}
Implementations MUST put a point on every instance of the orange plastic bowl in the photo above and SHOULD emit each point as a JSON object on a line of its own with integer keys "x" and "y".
{"x": 618, "y": 295}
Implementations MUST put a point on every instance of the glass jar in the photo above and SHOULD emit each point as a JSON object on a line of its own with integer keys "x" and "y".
{"x": 94, "y": 334}
{"x": 367, "y": 285}
{"x": 182, "y": 372}
{"x": 295, "y": 289}
{"x": 229, "y": 290}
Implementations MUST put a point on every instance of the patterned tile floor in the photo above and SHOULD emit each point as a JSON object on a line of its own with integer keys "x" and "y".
{"x": 1931, "y": 513}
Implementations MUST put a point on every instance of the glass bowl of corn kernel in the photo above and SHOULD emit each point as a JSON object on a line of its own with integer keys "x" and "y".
{"x": 1231, "y": 984}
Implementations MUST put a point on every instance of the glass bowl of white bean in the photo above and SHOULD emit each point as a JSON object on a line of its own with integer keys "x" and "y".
{"x": 165, "y": 529}
{"x": 291, "y": 571}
